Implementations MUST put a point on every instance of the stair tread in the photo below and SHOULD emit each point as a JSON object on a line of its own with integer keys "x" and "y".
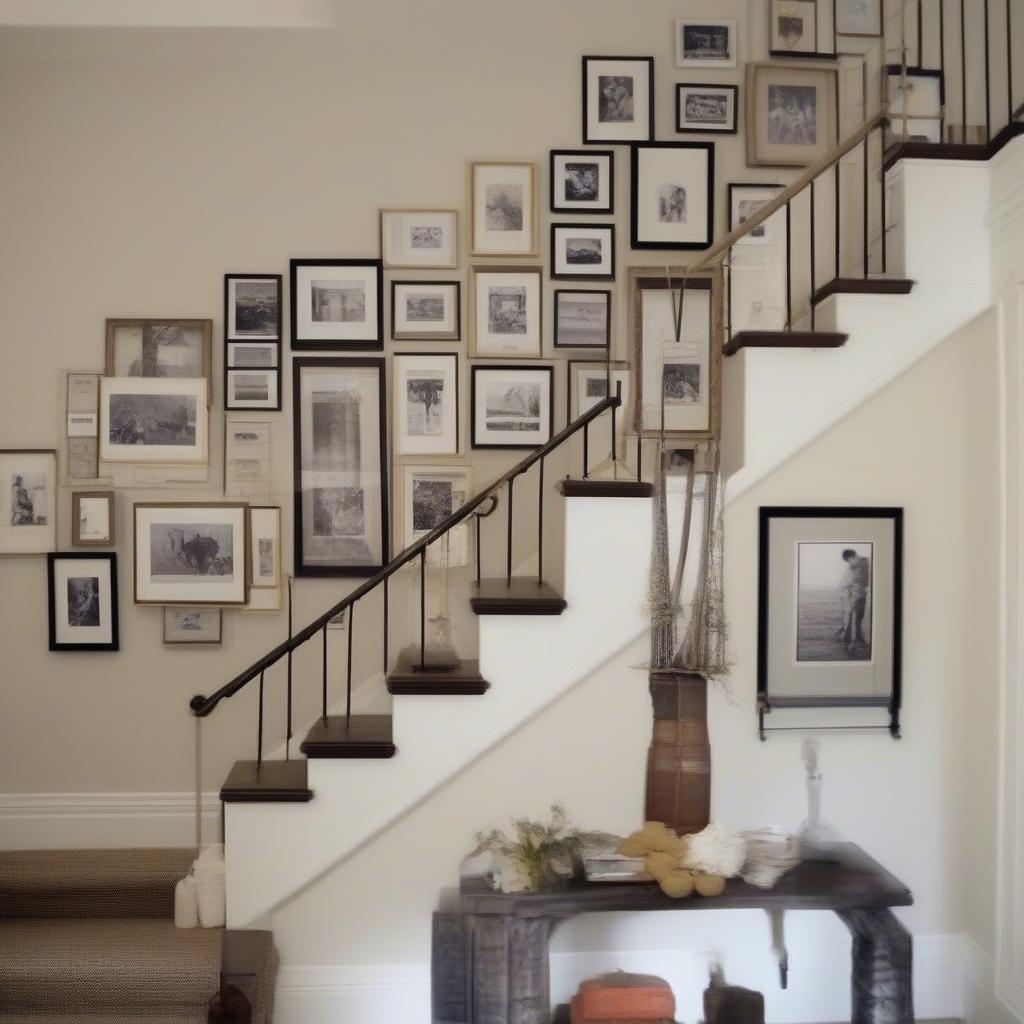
{"x": 864, "y": 286}
{"x": 269, "y": 782}
{"x": 465, "y": 678}
{"x": 357, "y": 737}
{"x": 784, "y": 339}
{"x": 602, "y": 487}
{"x": 522, "y": 595}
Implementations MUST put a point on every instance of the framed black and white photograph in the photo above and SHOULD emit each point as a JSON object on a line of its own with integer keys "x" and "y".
{"x": 83, "y": 424}
{"x": 193, "y": 625}
{"x": 29, "y": 478}
{"x": 705, "y": 43}
{"x": 83, "y": 601}
{"x": 618, "y": 99}
{"x": 673, "y": 199}
{"x": 914, "y": 104}
{"x": 179, "y": 349}
{"x": 426, "y": 310}
{"x": 153, "y": 420}
{"x": 427, "y": 496}
{"x": 252, "y": 307}
{"x": 791, "y": 114}
{"x": 583, "y": 318}
{"x": 247, "y": 449}
{"x": 505, "y": 217}
{"x": 582, "y": 181}
{"x": 505, "y": 312}
{"x": 191, "y": 553}
{"x": 704, "y": 108}
{"x": 583, "y": 251}
{"x": 757, "y": 282}
{"x": 512, "y": 406}
{"x": 419, "y": 238}
{"x": 830, "y": 606}
{"x": 337, "y": 304}
{"x": 426, "y": 403}
{"x": 859, "y": 18}
{"x": 588, "y": 384}
{"x": 264, "y": 546}
{"x": 744, "y": 202}
{"x": 793, "y": 28}
{"x": 341, "y": 486}
{"x": 252, "y": 388}
{"x": 92, "y": 519}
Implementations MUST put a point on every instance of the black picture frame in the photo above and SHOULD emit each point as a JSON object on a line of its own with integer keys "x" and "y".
{"x": 520, "y": 368}
{"x": 817, "y": 53}
{"x": 588, "y": 139}
{"x": 229, "y": 342}
{"x": 52, "y": 558}
{"x": 580, "y": 275}
{"x": 369, "y": 344}
{"x": 556, "y": 334}
{"x": 709, "y": 233}
{"x": 583, "y": 154}
{"x": 765, "y": 699}
{"x": 457, "y": 336}
{"x": 298, "y": 365}
{"x": 734, "y": 89}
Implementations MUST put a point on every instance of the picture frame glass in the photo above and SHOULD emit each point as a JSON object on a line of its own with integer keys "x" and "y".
{"x": 673, "y": 195}
{"x": 29, "y": 478}
{"x": 618, "y": 105}
{"x": 336, "y": 301}
{"x": 583, "y": 250}
{"x": 425, "y": 310}
{"x": 582, "y": 319}
{"x": 84, "y": 609}
{"x": 426, "y": 403}
{"x": 419, "y": 238}
{"x": 504, "y": 209}
{"x": 252, "y": 308}
{"x": 581, "y": 181}
{"x": 706, "y": 108}
{"x": 705, "y": 43}
{"x": 511, "y": 406}
{"x": 507, "y": 312}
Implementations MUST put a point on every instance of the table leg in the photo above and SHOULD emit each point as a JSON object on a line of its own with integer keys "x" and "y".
{"x": 511, "y": 981}
{"x": 882, "y": 967}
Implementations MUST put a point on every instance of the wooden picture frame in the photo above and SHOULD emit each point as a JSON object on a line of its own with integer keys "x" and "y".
{"x": 421, "y": 380}
{"x": 582, "y": 252}
{"x": 585, "y": 178}
{"x": 700, "y": 109}
{"x": 506, "y": 312}
{"x": 618, "y": 99}
{"x": 252, "y": 341}
{"x": 426, "y": 303}
{"x": 85, "y": 508}
{"x": 337, "y": 304}
{"x": 504, "y": 208}
{"x": 134, "y": 347}
{"x": 672, "y": 195}
{"x": 204, "y": 628}
{"x": 417, "y": 239}
{"x": 519, "y": 418}
{"x": 83, "y": 611}
{"x": 866, "y": 23}
{"x": 795, "y": 29}
{"x": 578, "y": 400}
{"x": 444, "y": 487}
{"x": 29, "y": 478}
{"x": 265, "y": 547}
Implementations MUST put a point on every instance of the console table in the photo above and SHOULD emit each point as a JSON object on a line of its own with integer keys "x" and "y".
{"x": 489, "y": 962}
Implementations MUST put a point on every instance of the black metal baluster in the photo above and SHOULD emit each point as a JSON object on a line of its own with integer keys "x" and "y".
{"x": 838, "y": 191}
{"x": 963, "y": 68}
{"x": 988, "y": 84}
{"x": 259, "y": 737}
{"x": 586, "y": 448}
{"x": 920, "y": 35}
{"x": 1009, "y": 64}
{"x": 423, "y": 609}
{"x": 478, "y": 554}
{"x": 540, "y": 523}
{"x": 789, "y": 274}
{"x": 508, "y": 559}
{"x": 387, "y": 659}
{"x": 639, "y": 458}
{"x": 348, "y": 682}
{"x": 942, "y": 74}
{"x": 813, "y": 310}
{"x": 615, "y": 409}
{"x": 288, "y": 731}
{"x": 323, "y": 707}
{"x": 881, "y": 171}
{"x": 866, "y": 155}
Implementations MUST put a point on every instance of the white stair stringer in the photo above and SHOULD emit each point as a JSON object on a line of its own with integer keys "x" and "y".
{"x": 275, "y": 849}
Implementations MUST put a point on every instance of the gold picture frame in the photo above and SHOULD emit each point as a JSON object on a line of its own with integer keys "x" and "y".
{"x": 77, "y": 539}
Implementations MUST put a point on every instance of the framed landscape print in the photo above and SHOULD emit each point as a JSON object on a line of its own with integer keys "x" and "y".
{"x": 583, "y": 319}
{"x": 341, "y": 487}
{"x": 429, "y": 494}
{"x": 426, "y": 403}
{"x": 830, "y": 606}
{"x": 512, "y": 406}
{"x": 706, "y": 108}
{"x": 582, "y": 181}
{"x": 337, "y": 304}
{"x": 83, "y": 601}
{"x": 618, "y": 99}
{"x": 426, "y": 310}
{"x": 192, "y": 625}
{"x": 196, "y": 554}
{"x": 583, "y": 251}
{"x": 676, "y": 376}
{"x": 92, "y": 519}
{"x": 505, "y": 312}
{"x": 252, "y": 307}
{"x": 705, "y": 43}
{"x": 265, "y": 546}
{"x": 252, "y": 388}
{"x": 859, "y": 17}
{"x": 153, "y": 420}
{"x": 505, "y": 218}
{"x": 673, "y": 200}
{"x": 419, "y": 238}
{"x": 588, "y": 384}
{"x": 792, "y": 114}
{"x": 180, "y": 349}
{"x": 29, "y": 478}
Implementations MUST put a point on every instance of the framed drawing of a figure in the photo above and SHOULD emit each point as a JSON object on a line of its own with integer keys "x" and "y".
{"x": 791, "y": 113}
{"x": 29, "y": 480}
{"x": 673, "y": 195}
{"x": 83, "y": 601}
{"x": 618, "y": 99}
{"x": 341, "y": 488}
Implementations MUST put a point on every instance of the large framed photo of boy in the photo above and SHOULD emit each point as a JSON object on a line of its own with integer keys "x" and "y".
{"x": 29, "y": 480}
{"x": 618, "y": 99}
{"x": 705, "y": 43}
{"x": 792, "y": 113}
{"x": 582, "y": 181}
{"x": 337, "y": 304}
{"x": 505, "y": 216}
{"x": 83, "y": 601}
{"x": 830, "y": 606}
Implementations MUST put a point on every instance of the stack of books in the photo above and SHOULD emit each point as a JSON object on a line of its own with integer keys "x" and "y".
{"x": 620, "y": 998}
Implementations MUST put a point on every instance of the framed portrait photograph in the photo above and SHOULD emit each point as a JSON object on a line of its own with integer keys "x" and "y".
{"x": 673, "y": 198}
{"x": 914, "y": 104}
{"x": 193, "y": 625}
{"x": 191, "y": 553}
{"x": 341, "y": 485}
{"x": 252, "y": 388}
{"x": 676, "y": 376}
{"x": 792, "y": 114}
{"x": 505, "y": 312}
{"x": 419, "y": 238}
{"x": 512, "y": 406}
{"x": 859, "y": 18}
{"x": 505, "y": 217}
{"x": 426, "y": 310}
{"x": 337, "y": 304}
{"x": 588, "y": 384}
{"x": 830, "y": 606}
{"x": 618, "y": 99}
{"x": 252, "y": 307}
{"x": 83, "y": 600}
{"x": 153, "y": 420}
{"x": 583, "y": 318}
{"x": 583, "y": 251}
{"x": 265, "y": 546}
{"x": 706, "y": 108}
{"x": 582, "y": 181}
{"x": 426, "y": 403}
{"x": 92, "y": 519}
{"x": 29, "y": 478}
{"x": 178, "y": 349}
{"x": 427, "y": 496}
{"x": 705, "y": 43}
{"x": 793, "y": 28}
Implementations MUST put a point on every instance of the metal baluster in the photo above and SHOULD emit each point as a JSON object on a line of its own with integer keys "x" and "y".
{"x": 838, "y": 190}
{"x": 478, "y": 553}
{"x": 348, "y": 683}
{"x": 288, "y": 737}
{"x": 1009, "y": 64}
{"x": 813, "y": 310}
{"x": 387, "y": 659}
{"x": 423, "y": 609}
{"x": 323, "y": 709}
{"x": 586, "y": 444}
{"x": 866, "y": 257}
{"x": 259, "y": 736}
{"x": 942, "y": 72}
{"x": 508, "y": 560}
{"x": 881, "y": 171}
{"x": 963, "y": 68}
{"x": 540, "y": 523}
{"x": 988, "y": 84}
{"x": 615, "y": 409}
{"x": 789, "y": 274}
{"x": 639, "y": 458}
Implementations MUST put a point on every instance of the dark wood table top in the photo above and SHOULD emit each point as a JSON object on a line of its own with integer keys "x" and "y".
{"x": 845, "y": 879}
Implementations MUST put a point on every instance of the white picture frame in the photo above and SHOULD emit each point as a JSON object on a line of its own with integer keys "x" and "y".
{"x": 587, "y": 384}
{"x": 430, "y": 493}
{"x": 706, "y": 43}
{"x": 264, "y": 546}
{"x": 29, "y": 480}
{"x": 505, "y": 216}
{"x": 419, "y": 238}
{"x": 426, "y": 403}
{"x": 188, "y": 626}
{"x": 506, "y": 312}
{"x": 154, "y": 420}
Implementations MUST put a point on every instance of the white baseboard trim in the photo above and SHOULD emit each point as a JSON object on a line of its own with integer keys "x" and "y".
{"x": 982, "y": 1002}
{"x": 65, "y": 821}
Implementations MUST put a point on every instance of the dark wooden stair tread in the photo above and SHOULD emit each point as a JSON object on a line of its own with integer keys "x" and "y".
{"x": 863, "y": 286}
{"x": 361, "y": 736}
{"x": 783, "y": 339}
{"x": 522, "y": 595}
{"x": 464, "y": 679}
{"x": 602, "y": 487}
{"x": 269, "y": 782}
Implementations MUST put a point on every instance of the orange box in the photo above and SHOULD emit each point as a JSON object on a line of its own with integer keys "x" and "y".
{"x": 623, "y": 997}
